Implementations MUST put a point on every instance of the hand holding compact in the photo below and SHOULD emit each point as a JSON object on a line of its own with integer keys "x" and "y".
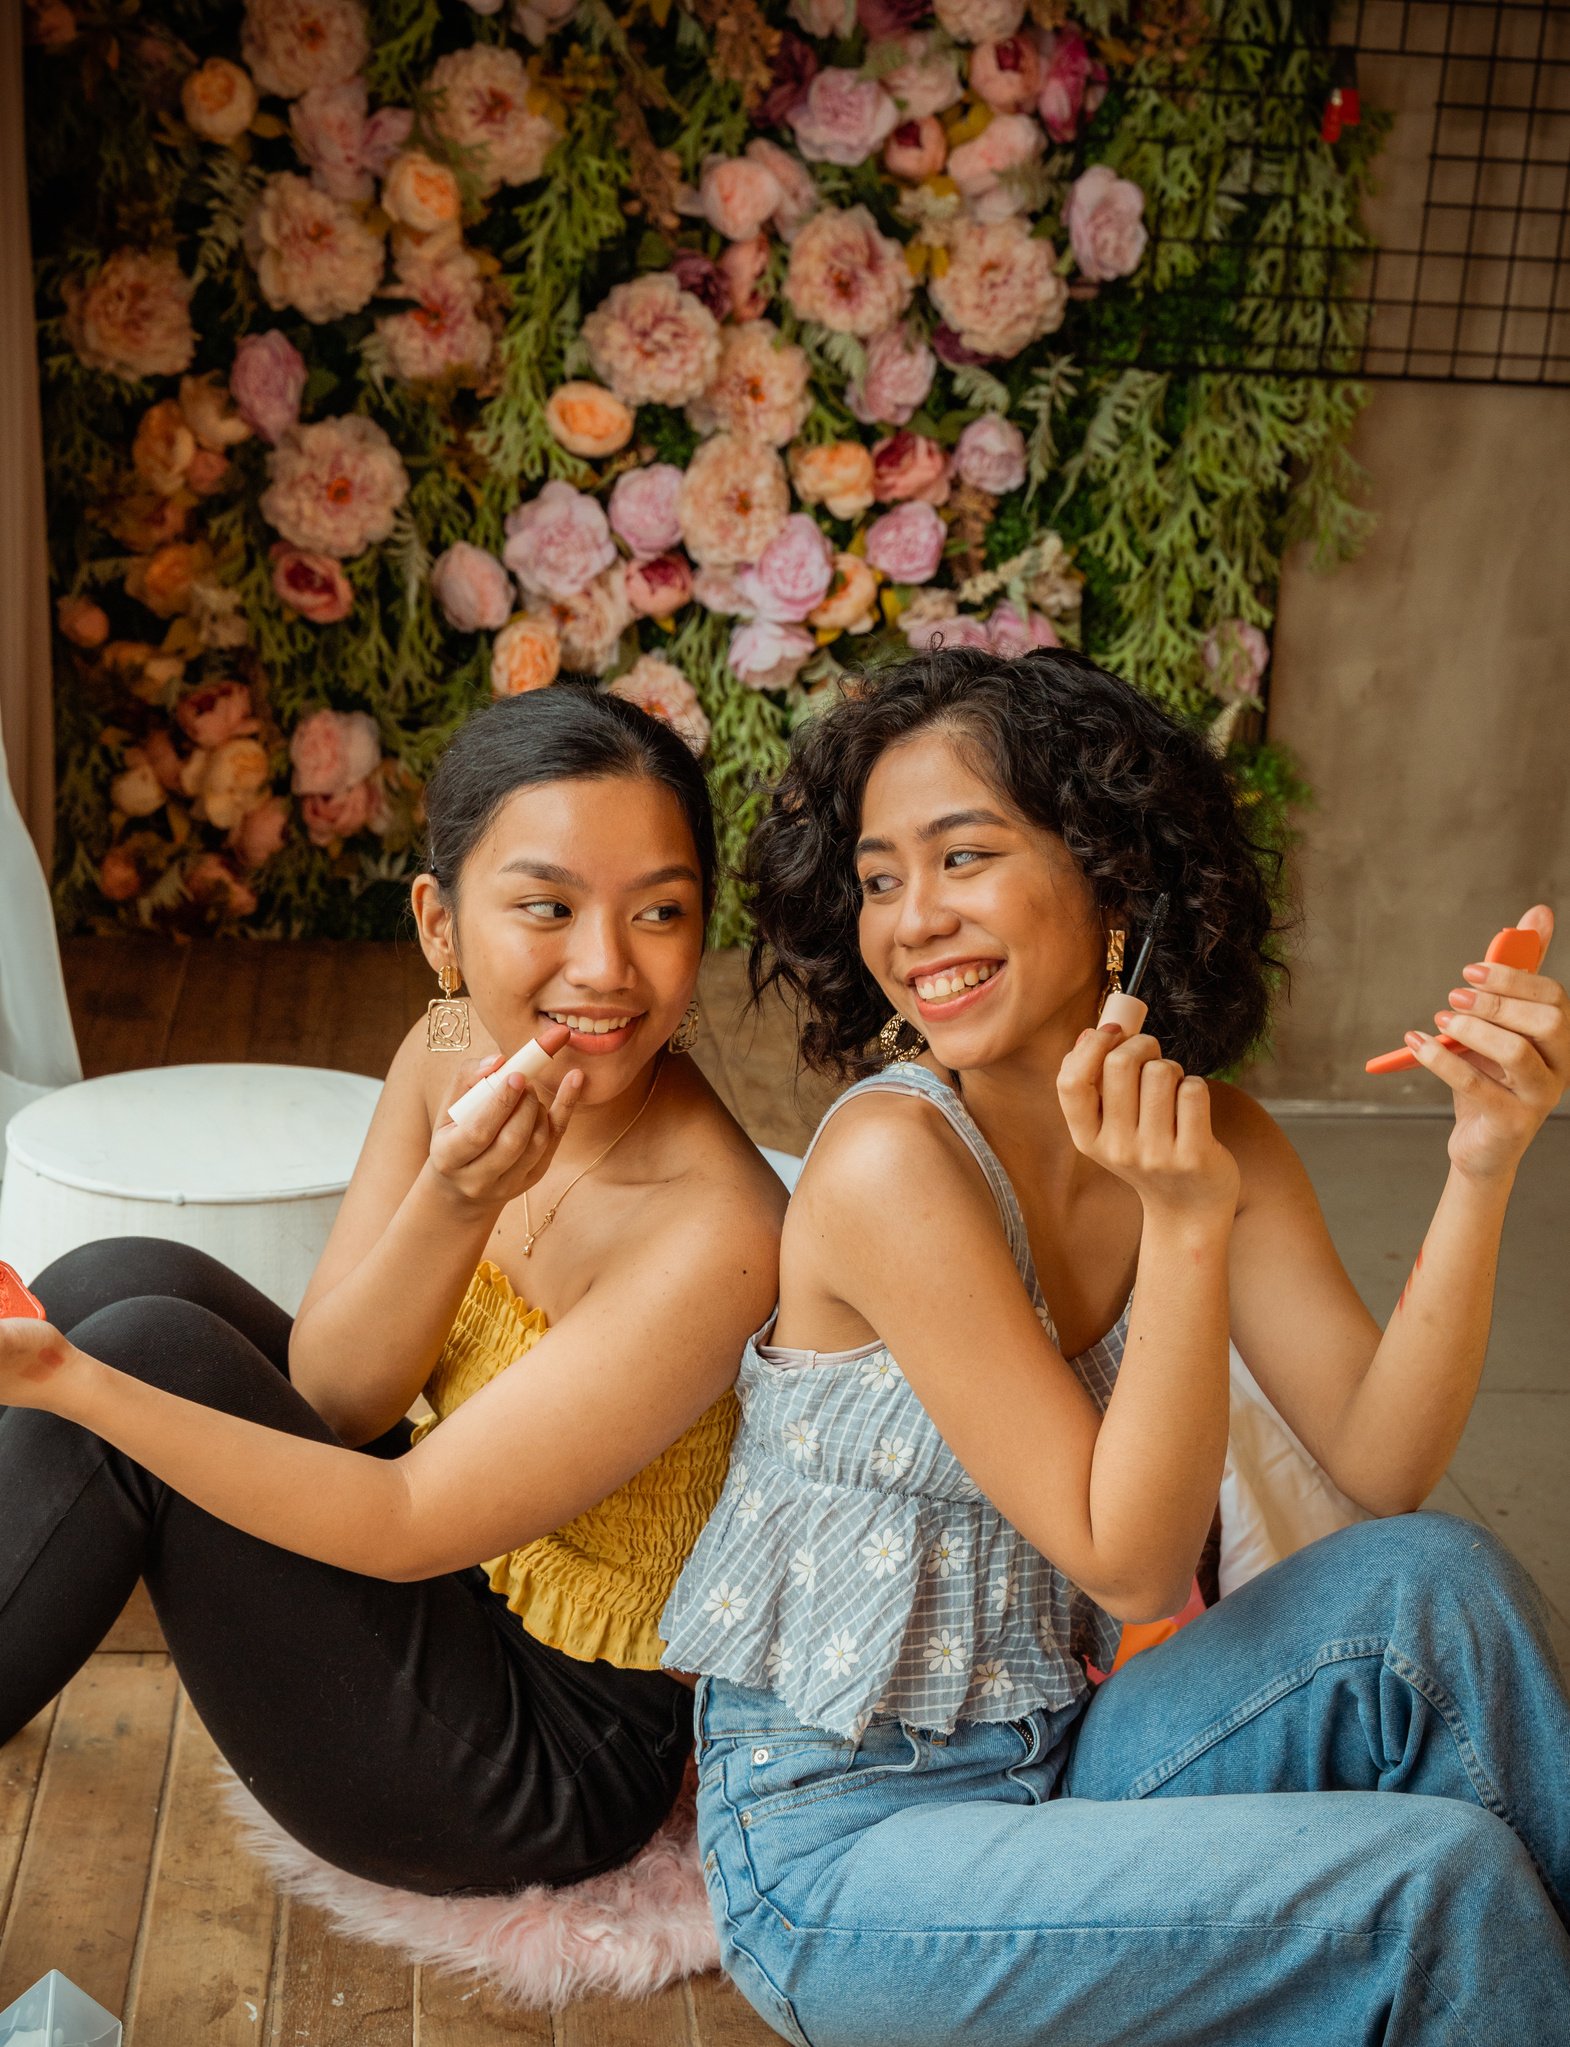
{"x": 35, "y": 1359}
{"x": 1146, "y": 1121}
{"x": 499, "y": 1130}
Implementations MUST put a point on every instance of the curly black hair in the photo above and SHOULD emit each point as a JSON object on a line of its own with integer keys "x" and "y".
{"x": 1140, "y": 801}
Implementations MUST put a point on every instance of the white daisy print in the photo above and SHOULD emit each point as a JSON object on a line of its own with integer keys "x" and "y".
{"x": 946, "y": 1556}
{"x": 945, "y": 1652}
{"x": 738, "y": 1474}
{"x": 993, "y": 1680}
{"x": 751, "y": 1506}
{"x": 724, "y": 1605}
{"x": 841, "y": 1652}
{"x": 1003, "y": 1594}
{"x": 880, "y": 1372}
{"x": 778, "y": 1661}
{"x": 883, "y": 1552}
{"x": 801, "y": 1440}
{"x": 893, "y": 1457}
{"x": 804, "y": 1569}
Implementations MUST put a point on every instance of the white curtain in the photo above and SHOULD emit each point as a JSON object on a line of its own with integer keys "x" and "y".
{"x": 37, "y": 1045}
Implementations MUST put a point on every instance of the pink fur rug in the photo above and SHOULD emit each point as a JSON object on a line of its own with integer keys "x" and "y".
{"x": 626, "y": 1934}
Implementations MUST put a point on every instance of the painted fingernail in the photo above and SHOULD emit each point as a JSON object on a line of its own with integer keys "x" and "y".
{"x": 1112, "y": 1030}
{"x": 1462, "y": 998}
{"x": 1443, "y": 1017}
{"x": 1475, "y": 973}
{"x": 1416, "y": 1038}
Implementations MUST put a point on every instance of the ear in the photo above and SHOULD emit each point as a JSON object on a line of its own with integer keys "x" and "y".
{"x": 435, "y": 923}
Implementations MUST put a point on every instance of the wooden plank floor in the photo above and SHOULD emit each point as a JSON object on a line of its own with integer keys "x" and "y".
{"x": 117, "y": 1861}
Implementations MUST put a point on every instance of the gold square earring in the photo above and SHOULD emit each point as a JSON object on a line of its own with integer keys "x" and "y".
{"x": 446, "y": 1016}
{"x": 1115, "y": 943}
{"x": 685, "y": 1035}
{"x": 889, "y": 1042}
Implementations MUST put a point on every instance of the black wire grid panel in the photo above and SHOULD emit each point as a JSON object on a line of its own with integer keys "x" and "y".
{"x": 1257, "y": 263}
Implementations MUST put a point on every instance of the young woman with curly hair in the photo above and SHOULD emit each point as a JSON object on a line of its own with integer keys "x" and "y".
{"x": 989, "y": 1421}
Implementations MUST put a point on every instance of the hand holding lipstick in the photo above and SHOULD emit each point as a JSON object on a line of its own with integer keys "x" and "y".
{"x": 500, "y": 1127}
{"x": 1504, "y": 1055}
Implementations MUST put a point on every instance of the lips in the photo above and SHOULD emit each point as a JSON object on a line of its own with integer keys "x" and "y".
{"x": 955, "y": 990}
{"x": 592, "y": 1036}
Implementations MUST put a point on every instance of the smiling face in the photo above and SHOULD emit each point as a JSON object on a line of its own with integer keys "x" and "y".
{"x": 582, "y": 904}
{"x": 979, "y": 926}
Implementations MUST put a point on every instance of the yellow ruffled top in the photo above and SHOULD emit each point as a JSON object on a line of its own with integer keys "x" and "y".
{"x": 596, "y": 1587}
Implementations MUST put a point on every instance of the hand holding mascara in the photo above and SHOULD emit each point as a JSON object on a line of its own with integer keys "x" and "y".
{"x": 1123, "y": 1006}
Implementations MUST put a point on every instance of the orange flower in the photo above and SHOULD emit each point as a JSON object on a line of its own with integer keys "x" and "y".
{"x": 422, "y": 195}
{"x": 163, "y": 448}
{"x": 162, "y": 580}
{"x": 524, "y": 655}
{"x": 852, "y": 603}
{"x": 588, "y": 420}
{"x": 219, "y": 100}
{"x": 838, "y": 476}
{"x": 84, "y": 623}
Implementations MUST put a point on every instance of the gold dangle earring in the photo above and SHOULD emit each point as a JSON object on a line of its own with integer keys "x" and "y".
{"x": 1115, "y": 943}
{"x": 447, "y": 1016}
{"x": 889, "y": 1044}
{"x": 685, "y": 1035}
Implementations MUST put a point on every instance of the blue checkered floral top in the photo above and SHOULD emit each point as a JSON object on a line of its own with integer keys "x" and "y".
{"x": 851, "y": 1566}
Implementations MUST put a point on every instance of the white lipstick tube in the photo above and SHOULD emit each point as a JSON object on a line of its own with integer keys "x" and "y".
{"x": 531, "y": 1060}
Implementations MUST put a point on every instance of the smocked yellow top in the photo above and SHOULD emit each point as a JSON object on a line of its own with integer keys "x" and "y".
{"x": 594, "y": 1588}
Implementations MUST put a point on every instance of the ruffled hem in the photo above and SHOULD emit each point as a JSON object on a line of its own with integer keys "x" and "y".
{"x": 562, "y": 1618}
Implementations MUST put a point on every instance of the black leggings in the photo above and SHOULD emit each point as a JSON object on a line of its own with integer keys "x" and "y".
{"x": 413, "y": 1734}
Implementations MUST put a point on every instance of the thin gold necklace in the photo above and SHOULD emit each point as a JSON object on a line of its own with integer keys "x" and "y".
{"x": 532, "y": 1236}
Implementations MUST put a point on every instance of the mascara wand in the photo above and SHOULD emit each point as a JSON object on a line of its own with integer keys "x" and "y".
{"x": 1123, "y": 1006}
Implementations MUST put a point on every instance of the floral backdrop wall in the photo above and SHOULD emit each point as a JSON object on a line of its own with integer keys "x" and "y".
{"x": 397, "y": 353}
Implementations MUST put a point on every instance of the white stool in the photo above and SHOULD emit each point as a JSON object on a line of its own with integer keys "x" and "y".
{"x": 248, "y": 1163}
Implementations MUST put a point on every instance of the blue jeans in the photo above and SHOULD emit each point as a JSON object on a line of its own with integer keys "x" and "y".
{"x": 1196, "y": 1856}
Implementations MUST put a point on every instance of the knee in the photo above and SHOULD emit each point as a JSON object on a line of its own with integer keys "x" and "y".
{"x": 114, "y": 1269}
{"x": 180, "y": 1347}
{"x": 1444, "y": 1560}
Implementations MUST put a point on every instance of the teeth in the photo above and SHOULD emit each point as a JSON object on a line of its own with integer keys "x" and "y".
{"x": 941, "y": 987}
{"x": 589, "y": 1026}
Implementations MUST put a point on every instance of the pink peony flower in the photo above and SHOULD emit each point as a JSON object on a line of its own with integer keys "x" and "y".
{"x": 734, "y": 499}
{"x": 591, "y": 622}
{"x": 84, "y": 623}
{"x": 1236, "y": 656}
{"x": 293, "y": 45}
{"x": 473, "y": 589}
{"x": 979, "y": 21}
{"x": 558, "y": 542}
{"x": 660, "y": 586}
{"x": 330, "y": 124}
{"x": 799, "y": 199}
{"x": 212, "y": 884}
{"x": 215, "y": 714}
{"x": 738, "y": 196}
{"x": 525, "y": 655}
{"x": 760, "y": 386}
{"x": 444, "y": 331}
{"x": 838, "y": 476}
{"x": 716, "y": 591}
{"x": 851, "y": 605}
{"x": 844, "y": 118}
{"x": 311, "y": 251}
{"x": 1001, "y": 290}
{"x": 990, "y": 455}
{"x": 1007, "y": 75}
{"x": 927, "y": 79}
{"x": 792, "y": 575}
{"x": 1012, "y": 633}
{"x": 765, "y": 655}
{"x": 134, "y": 319}
{"x": 332, "y": 750}
{"x": 895, "y": 383}
{"x": 386, "y": 135}
{"x": 311, "y": 584}
{"x": 423, "y": 196}
{"x": 331, "y": 819}
{"x": 846, "y": 275}
{"x": 643, "y": 509}
{"x": 906, "y": 545}
{"x": 218, "y": 100}
{"x": 665, "y": 693}
{"x": 335, "y": 486}
{"x": 266, "y": 383}
{"x": 486, "y": 105}
{"x": 652, "y": 342}
{"x": 1103, "y": 216}
{"x": 741, "y": 268}
{"x": 990, "y": 171}
{"x": 261, "y": 833}
{"x": 916, "y": 149}
{"x": 925, "y": 632}
{"x": 910, "y": 466}
{"x": 1073, "y": 84}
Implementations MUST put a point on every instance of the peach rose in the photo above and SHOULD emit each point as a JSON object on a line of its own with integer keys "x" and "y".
{"x": 1007, "y": 74}
{"x": 211, "y": 882}
{"x": 134, "y": 319}
{"x": 444, "y": 331}
{"x": 737, "y": 196}
{"x": 485, "y": 102}
{"x": 84, "y": 623}
{"x": 852, "y": 603}
{"x": 136, "y": 791}
{"x": 916, "y": 150}
{"x": 1105, "y": 229}
{"x": 894, "y": 385}
{"x": 759, "y": 387}
{"x": 164, "y": 445}
{"x": 524, "y": 655}
{"x": 473, "y": 589}
{"x": 742, "y": 266}
{"x": 909, "y": 466}
{"x": 846, "y": 275}
{"x": 334, "y": 486}
{"x": 799, "y": 197}
{"x": 228, "y": 781}
{"x": 660, "y": 586}
{"x": 142, "y": 520}
{"x": 217, "y": 712}
{"x": 206, "y": 407}
{"x": 141, "y": 669}
{"x": 329, "y": 820}
{"x": 332, "y": 750}
{"x": 261, "y": 832}
{"x": 119, "y": 876}
{"x": 979, "y": 21}
{"x": 292, "y": 45}
{"x": 588, "y": 420}
{"x": 219, "y": 100}
{"x": 311, "y": 251}
{"x": 1000, "y": 290}
{"x": 652, "y": 342}
{"x": 838, "y": 476}
{"x": 665, "y": 693}
{"x": 734, "y": 499}
{"x": 990, "y": 171}
{"x": 590, "y": 622}
{"x": 162, "y": 580}
{"x": 311, "y": 584}
{"x": 422, "y": 195}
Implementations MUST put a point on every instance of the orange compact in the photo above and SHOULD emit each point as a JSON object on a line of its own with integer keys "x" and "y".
{"x": 15, "y": 1300}
{"x": 1515, "y": 946}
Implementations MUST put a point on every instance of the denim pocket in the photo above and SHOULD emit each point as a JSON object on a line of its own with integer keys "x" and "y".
{"x": 743, "y": 1967}
{"x": 774, "y": 1775}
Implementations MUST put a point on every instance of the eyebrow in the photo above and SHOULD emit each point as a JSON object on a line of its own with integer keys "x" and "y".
{"x": 951, "y": 821}
{"x": 547, "y": 870}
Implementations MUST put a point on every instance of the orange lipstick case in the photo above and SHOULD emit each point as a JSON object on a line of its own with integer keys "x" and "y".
{"x": 16, "y": 1301}
{"x": 1513, "y": 947}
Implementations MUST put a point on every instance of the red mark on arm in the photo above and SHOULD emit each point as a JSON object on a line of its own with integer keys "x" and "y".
{"x": 1416, "y": 1269}
{"x": 48, "y": 1360}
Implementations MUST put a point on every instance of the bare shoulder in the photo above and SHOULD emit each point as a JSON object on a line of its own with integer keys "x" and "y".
{"x": 718, "y": 1183}
{"x": 883, "y": 1144}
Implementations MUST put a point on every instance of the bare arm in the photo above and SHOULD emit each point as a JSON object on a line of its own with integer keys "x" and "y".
{"x": 618, "y": 1379}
